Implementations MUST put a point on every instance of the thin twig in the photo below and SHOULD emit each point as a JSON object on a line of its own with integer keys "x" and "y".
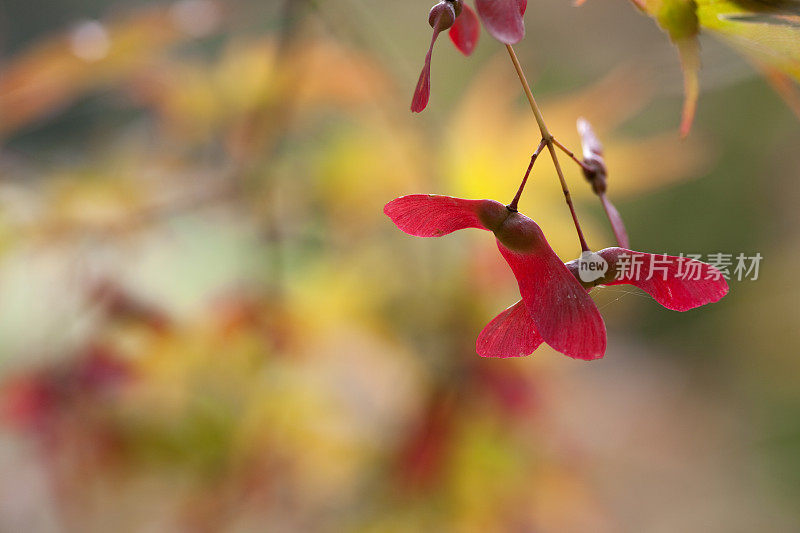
{"x": 513, "y": 205}
{"x": 571, "y": 155}
{"x": 548, "y": 138}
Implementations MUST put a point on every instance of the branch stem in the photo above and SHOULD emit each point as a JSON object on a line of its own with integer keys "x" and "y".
{"x": 547, "y": 138}
{"x": 513, "y": 205}
{"x": 571, "y": 155}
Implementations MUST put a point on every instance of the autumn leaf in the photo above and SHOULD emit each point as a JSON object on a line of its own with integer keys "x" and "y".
{"x": 678, "y": 18}
{"x": 767, "y": 32}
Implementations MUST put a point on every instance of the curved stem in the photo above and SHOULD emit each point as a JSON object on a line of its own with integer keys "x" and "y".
{"x": 547, "y": 137}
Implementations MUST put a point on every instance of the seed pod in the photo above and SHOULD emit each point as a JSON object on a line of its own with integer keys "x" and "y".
{"x": 492, "y": 214}
{"x": 442, "y": 16}
{"x": 520, "y": 234}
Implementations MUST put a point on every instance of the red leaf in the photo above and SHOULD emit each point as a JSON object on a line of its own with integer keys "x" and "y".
{"x": 677, "y": 283}
{"x": 509, "y": 334}
{"x": 429, "y": 215}
{"x": 503, "y": 19}
{"x": 560, "y": 308}
{"x": 465, "y": 31}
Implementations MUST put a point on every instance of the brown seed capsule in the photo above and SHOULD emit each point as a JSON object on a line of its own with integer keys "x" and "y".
{"x": 519, "y": 233}
{"x": 594, "y": 171}
{"x": 492, "y": 214}
{"x": 442, "y": 16}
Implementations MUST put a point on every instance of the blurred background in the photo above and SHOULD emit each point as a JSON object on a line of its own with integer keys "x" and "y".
{"x": 207, "y": 324}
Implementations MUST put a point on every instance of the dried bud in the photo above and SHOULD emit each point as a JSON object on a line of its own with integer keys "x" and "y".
{"x": 594, "y": 171}
{"x": 442, "y": 16}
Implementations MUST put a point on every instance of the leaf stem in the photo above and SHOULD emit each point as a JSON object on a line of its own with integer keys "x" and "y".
{"x": 513, "y": 205}
{"x": 571, "y": 155}
{"x": 547, "y": 137}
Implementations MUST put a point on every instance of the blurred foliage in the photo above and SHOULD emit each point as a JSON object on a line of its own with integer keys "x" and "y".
{"x": 766, "y": 31}
{"x": 207, "y": 324}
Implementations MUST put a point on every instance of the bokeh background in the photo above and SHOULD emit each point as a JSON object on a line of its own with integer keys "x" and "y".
{"x": 207, "y": 324}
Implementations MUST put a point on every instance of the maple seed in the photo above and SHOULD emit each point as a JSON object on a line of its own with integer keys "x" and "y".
{"x": 442, "y": 16}
{"x": 677, "y": 283}
{"x": 559, "y": 310}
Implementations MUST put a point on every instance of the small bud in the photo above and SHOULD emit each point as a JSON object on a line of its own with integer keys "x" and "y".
{"x": 442, "y": 16}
